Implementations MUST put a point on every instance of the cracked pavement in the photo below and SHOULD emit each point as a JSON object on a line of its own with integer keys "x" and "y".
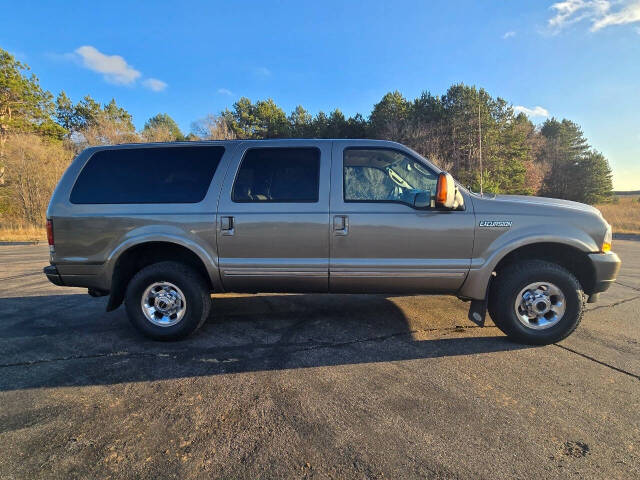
{"x": 312, "y": 386}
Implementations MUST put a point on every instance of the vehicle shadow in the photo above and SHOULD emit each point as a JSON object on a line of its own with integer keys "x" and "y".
{"x": 69, "y": 340}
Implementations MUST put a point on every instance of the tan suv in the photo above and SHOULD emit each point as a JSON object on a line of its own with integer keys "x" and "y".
{"x": 161, "y": 226}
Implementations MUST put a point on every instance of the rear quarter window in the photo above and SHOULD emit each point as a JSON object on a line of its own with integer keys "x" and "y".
{"x": 147, "y": 175}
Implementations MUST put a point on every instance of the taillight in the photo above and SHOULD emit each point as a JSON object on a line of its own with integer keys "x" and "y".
{"x": 50, "y": 232}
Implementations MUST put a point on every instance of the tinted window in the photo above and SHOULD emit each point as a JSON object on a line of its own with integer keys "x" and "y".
{"x": 278, "y": 175}
{"x": 382, "y": 175}
{"x": 147, "y": 175}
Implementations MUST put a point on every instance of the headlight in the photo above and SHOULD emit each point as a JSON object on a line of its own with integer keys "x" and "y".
{"x": 606, "y": 244}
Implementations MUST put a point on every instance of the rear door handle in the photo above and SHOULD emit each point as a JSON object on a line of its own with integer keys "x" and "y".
{"x": 227, "y": 225}
{"x": 340, "y": 224}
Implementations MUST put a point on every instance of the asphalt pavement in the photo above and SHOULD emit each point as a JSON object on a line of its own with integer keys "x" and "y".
{"x": 312, "y": 386}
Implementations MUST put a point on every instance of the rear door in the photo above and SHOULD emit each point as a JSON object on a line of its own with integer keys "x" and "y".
{"x": 273, "y": 218}
{"x": 379, "y": 241}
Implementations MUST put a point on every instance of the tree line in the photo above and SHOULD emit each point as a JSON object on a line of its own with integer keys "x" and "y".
{"x": 39, "y": 134}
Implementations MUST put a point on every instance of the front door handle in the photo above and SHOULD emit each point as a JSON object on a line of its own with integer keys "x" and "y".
{"x": 227, "y": 225}
{"x": 340, "y": 224}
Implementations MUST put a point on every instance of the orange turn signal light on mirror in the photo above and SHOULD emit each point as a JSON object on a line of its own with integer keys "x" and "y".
{"x": 441, "y": 189}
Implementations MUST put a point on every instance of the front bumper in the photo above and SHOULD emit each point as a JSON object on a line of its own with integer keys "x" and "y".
{"x": 606, "y": 267}
{"x": 52, "y": 274}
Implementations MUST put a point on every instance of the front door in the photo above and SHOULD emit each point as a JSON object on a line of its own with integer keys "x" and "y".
{"x": 273, "y": 218}
{"x": 380, "y": 242}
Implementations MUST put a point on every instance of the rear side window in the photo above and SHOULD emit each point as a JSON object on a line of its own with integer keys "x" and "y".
{"x": 147, "y": 175}
{"x": 278, "y": 175}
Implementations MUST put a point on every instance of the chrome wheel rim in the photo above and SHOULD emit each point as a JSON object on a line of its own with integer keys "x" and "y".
{"x": 540, "y": 305}
{"x": 163, "y": 304}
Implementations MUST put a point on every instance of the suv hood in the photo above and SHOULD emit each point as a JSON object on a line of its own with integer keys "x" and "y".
{"x": 543, "y": 201}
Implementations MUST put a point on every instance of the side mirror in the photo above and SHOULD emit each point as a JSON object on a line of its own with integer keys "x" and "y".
{"x": 422, "y": 200}
{"x": 447, "y": 195}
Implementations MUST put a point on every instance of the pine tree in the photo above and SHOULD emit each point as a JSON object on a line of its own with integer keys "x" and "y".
{"x": 576, "y": 172}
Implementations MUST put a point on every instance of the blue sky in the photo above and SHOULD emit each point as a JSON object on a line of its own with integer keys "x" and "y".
{"x": 578, "y": 59}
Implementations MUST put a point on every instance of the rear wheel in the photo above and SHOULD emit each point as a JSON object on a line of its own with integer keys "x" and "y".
{"x": 536, "y": 302}
{"x": 167, "y": 300}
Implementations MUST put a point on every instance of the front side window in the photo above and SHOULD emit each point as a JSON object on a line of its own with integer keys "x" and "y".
{"x": 278, "y": 175}
{"x": 147, "y": 175}
{"x": 384, "y": 175}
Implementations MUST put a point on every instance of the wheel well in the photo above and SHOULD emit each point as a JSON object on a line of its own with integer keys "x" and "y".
{"x": 134, "y": 259}
{"x": 574, "y": 260}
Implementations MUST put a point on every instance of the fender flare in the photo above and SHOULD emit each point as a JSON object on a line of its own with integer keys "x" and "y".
{"x": 476, "y": 284}
{"x": 117, "y": 294}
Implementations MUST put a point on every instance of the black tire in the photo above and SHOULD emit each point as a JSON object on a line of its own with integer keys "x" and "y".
{"x": 508, "y": 284}
{"x": 194, "y": 288}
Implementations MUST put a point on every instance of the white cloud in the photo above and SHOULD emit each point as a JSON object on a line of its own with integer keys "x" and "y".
{"x": 599, "y": 13}
{"x": 225, "y": 91}
{"x": 628, "y": 14}
{"x": 154, "y": 84}
{"x": 509, "y": 35}
{"x": 571, "y": 11}
{"x": 262, "y": 71}
{"x": 114, "y": 68}
{"x": 532, "y": 112}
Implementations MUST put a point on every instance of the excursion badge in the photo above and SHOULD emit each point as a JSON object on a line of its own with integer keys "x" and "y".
{"x": 495, "y": 224}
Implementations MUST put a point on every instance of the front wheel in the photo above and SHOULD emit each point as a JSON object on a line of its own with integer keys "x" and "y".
{"x": 536, "y": 302}
{"x": 167, "y": 300}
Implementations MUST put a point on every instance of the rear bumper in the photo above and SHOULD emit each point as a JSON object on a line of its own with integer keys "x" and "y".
{"x": 52, "y": 274}
{"x": 606, "y": 267}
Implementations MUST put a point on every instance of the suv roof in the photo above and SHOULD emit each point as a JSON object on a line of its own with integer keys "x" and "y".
{"x": 367, "y": 141}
